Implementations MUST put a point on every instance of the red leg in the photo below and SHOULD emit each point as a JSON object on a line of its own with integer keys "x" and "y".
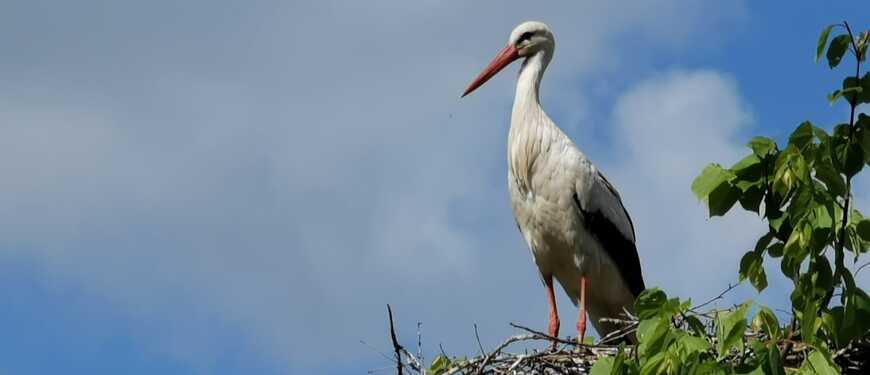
{"x": 581, "y": 320}
{"x": 554, "y": 314}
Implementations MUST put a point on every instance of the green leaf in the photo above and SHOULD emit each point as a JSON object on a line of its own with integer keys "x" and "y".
{"x": 850, "y": 82}
{"x": 852, "y": 94}
{"x": 832, "y": 322}
{"x": 439, "y": 365}
{"x": 838, "y": 47}
{"x": 765, "y": 320}
{"x": 751, "y": 199}
{"x": 774, "y": 361}
{"x": 801, "y": 203}
{"x": 841, "y": 131}
{"x": 747, "y": 184}
{"x": 689, "y": 345}
{"x": 854, "y": 161}
{"x": 863, "y": 229}
{"x": 862, "y": 41}
{"x": 696, "y": 325}
{"x": 863, "y": 119}
{"x": 746, "y": 264}
{"x": 853, "y": 241}
{"x": 710, "y": 178}
{"x": 652, "y": 366}
{"x": 752, "y": 268}
{"x": 857, "y": 90}
{"x": 832, "y": 179}
{"x": 776, "y": 249}
{"x": 821, "y": 134}
{"x": 809, "y": 321}
{"x": 763, "y": 241}
{"x": 802, "y": 135}
{"x": 762, "y": 146}
{"x": 750, "y": 166}
{"x": 855, "y": 321}
{"x": 722, "y": 199}
{"x": 730, "y": 329}
{"x": 604, "y": 366}
{"x": 819, "y": 363}
{"x": 834, "y": 95}
{"x": 784, "y": 179}
{"x": 823, "y": 225}
{"x": 865, "y": 140}
{"x": 822, "y": 276}
{"x": 865, "y": 87}
{"x": 759, "y": 278}
{"x": 798, "y": 165}
{"x": 823, "y": 41}
{"x": 649, "y": 303}
{"x": 797, "y": 241}
{"x": 652, "y": 334}
{"x": 777, "y": 218}
{"x": 791, "y": 264}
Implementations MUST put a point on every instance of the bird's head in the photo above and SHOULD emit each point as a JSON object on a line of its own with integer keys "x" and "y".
{"x": 527, "y": 39}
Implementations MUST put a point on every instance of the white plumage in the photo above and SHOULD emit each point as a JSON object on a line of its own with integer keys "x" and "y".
{"x": 571, "y": 217}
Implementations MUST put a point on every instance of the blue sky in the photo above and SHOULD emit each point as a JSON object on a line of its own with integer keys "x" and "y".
{"x": 209, "y": 187}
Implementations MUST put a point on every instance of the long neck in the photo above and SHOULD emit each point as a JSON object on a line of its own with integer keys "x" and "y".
{"x": 527, "y": 106}
{"x": 529, "y": 124}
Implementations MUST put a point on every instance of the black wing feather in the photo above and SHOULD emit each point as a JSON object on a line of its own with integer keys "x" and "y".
{"x": 621, "y": 249}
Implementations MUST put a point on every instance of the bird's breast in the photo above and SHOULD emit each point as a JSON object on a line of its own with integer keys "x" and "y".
{"x": 549, "y": 222}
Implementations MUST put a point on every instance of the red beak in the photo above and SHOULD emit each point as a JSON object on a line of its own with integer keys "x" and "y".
{"x": 504, "y": 57}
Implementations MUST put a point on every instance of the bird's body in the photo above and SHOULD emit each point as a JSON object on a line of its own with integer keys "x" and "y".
{"x": 571, "y": 217}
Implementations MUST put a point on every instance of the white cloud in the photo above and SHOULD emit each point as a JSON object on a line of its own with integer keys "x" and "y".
{"x": 668, "y": 128}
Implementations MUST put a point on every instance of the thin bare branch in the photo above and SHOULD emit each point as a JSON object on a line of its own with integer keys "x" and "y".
{"x": 398, "y": 348}
{"x": 502, "y": 346}
{"x": 387, "y": 357}
{"x": 420, "y": 342}
{"x": 542, "y": 335}
{"x": 477, "y": 336}
{"x": 413, "y": 361}
{"x": 714, "y": 299}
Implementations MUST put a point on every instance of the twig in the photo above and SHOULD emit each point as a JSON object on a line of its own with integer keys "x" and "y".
{"x": 628, "y": 314}
{"x": 523, "y": 357}
{"x": 391, "y": 359}
{"x": 477, "y": 336}
{"x": 398, "y": 348}
{"x": 372, "y": 371}
{"x": 714, "y": 299}
{"x": 624, "y": 322}
{"x": 497, "y": 350}
{"x": 540, "y": 334}
{"x": 419, "y": 342}
{"x": 413, "y": 361}
{"x": 620, "y": 333}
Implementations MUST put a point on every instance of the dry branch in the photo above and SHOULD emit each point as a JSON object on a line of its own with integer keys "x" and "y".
{"x": 398, "y": 348}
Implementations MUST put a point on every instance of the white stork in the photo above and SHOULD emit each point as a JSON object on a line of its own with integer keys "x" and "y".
{"x": 571, "y": 217}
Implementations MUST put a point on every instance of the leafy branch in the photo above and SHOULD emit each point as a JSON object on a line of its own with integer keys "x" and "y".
{"x": 803, "y": 190}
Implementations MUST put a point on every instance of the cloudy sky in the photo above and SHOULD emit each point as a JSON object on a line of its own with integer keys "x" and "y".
{"x": 217, "y": 187}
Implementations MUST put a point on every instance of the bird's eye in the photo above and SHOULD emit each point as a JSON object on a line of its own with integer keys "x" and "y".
{"x": 526, "y": 36}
